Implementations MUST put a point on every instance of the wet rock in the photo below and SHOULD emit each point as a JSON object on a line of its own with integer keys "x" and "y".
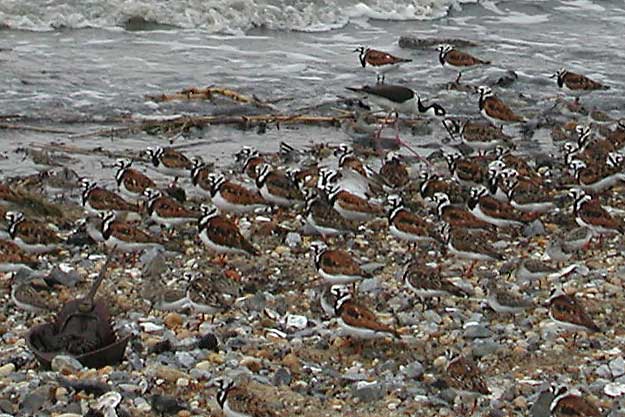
{"x": 368, "y": 391}
{"x": 166, "y": 404}
{"x": 484, "y": 347}
{"x": 604, "y": 371}
{"x": 293, "y": 239}
{"x": 282, "y": 377}
{"x": 7, "y": 369}
{"x": 535, "y": 228}
{"x": 185, "y": 359}
{"x": 617, "y": 367}
{"x": 541, "y": 405}
{"x": 432, "y": 317}
{"x": 34, "y": 400}
{"x": 209, "y": 342}
{"x": 66, "y": 364}
{"x": 477, "y": 331}
{"x": 413, "y": 370}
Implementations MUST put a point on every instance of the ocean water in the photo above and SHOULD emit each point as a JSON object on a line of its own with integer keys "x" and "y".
{"x": 80, "y": 66}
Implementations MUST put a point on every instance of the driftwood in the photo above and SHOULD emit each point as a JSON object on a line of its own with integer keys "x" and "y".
{"x": 414, "y": 42}
{"x": 34, "y": 128}
{"x": 207, "y": 93}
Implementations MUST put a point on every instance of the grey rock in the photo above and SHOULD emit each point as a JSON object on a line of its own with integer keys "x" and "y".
{"x": 257, "y": 302}
{"x": 389, "y": 365}
{"x": 485, "y": 347}
{"x": 369, "y": 285}
{"x": 185, "y": 359}
{"x": 6, "y": 406}
{"x": 413, "y": 370}
{"x": 540, "y": 408}
{"x": 448, "y": 395}
{"x": 293, "y": 239}
{"x": 604, "y": 371}
{"x": 617, "y": 366}
{"x": 432, "y": 316}
{"x": 597, "y": 386}
{"x": 368, "y": 391}
{"x": 34, "y": 400}
{"x": 477, "y": 331}
{"x": 68, "y": 279}
{"x": 66, "y": 363}
{"x": 282, "y": 377}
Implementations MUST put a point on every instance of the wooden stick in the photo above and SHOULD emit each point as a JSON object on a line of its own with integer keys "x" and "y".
{"x": 34, "y": 128}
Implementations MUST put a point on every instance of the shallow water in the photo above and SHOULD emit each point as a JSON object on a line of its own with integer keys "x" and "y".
{"x": 81, "y": 79}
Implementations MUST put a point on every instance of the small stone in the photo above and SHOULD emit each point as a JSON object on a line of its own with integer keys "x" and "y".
{"x": 535, "y": 228}
{"x": 293, "y": 239}
{"x": 204, "y": 366}
{"x": 167, "y": 373}
{"x": 185, "y": 359}
{"x": 282, "y": 377}
{"x": 66, "y": 364}
{"x": 413, "y": 370}
{"x": 60, "y": 394}
{"x": 182, "y": 382}
{"x": 251, "y": 363}
{"x": 485, "y": 347}
{"x": 477, "y": 331}
{"x": 173, "y": 320}
{"x": 7, "y": 369}
{"x": 540, "y": 408}
{"x": 617, "y": 366}
{"x": 368, "y": 391}
{"x": 215, "y": 358}
{"x": 165, "y": 404}
{"x": 520, "y": 402}
{"x": 34, "y": 400}
{"x": 281, "y": 250}
{"x": 209, "y": 341}
{"x": 432, "y": 316}
{"x": 291, "y": 361}
{"x": 604, "y": 371}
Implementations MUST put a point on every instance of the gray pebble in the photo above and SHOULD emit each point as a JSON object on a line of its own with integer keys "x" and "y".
{"x": 535, "y": 228}
{"x": 185, "y": 359}
{"x": 66, "y": 363}
{"x": 413, "y": 370}
{"x": 368, "y": 391}
{"x": 432, "y": 316}
{"x": 477, "y": 332}
{"x": 282, "y": 377}
{"x": 293, "y": 239}
{"x": 617, "y": 366}
{"x": 603, "y": 371}
{"x": 485, "y": 347}
{"x": 540, "y": 408}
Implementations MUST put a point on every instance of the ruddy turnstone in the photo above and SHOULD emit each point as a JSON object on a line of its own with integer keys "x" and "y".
{"x": 97, "y": 200}
{"x": 131, "y": 182}
{"x": 13, "y": 258}
{"x": 379, "y": 61}
{"x": 276, "y": 187}
{"x": 450, "y": 57}
{"x": 250, "y": 159}
{"x": 590, "y": 214}
{"x": 576, "y": 83}
{"x": 430, "y": 184}
{"x": 405, "y": 225}
{"x": 336, "y": 266}
{"x": 170, "y": 162}
{"x": 469, "y": 172}
{"x": 457, "y": 216}
{"x": 497, "y": 213}
{"x": 571, "y": 403}
{"x": 237, "y": 401}
{"x": 593, "y": 178}
{"x": 232, "y": 197}
{"x": 568, "y": 314}
{"x": 126, "y": 237}
{"x": 426, "y": 281}
{"x": 494, "y": 109}
{"x": 503, "y": 300}
{"x": 166, "y": 211}
{"x": 221, "y": 234}
{"x": 358, "y": 321}
{"x": 322, "y": 218}
{"x": 31, "y": 236}
{"x": 394, "y": 173}
{"x": 480, "y": 136}
{"x": 525, "y": 195}
{"x": 351, "y": 206}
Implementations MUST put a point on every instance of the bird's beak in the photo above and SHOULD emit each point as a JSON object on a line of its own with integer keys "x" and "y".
{"x": 356, "y": 50}
{"x": 553, "y": 75}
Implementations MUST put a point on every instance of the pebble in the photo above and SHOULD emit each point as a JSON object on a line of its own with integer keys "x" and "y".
{"x": 604, "y": 371}
{"x": 368, "y": 391}
{"x": 66, "y": 364}
{"x": 282, "y": 377}
{"x": 617, "y": 367}
{"x": 209, "y": 341}
{"x": 291, "y": 361}
{"x": 185, "y": 359}
{"x": 413, "y": 370}
{"x": 204, "y": 365}
{"x": 7, "y": 369}
{"x": 293, "y": 239}
{"x": 173, "y": 320}
{"x": 251, "y": 363}
{"x": 61, "y": 394}
{"x": 167, "y": 373}
{"x": 484, "y": 347}
{"x": 477, "y": 331}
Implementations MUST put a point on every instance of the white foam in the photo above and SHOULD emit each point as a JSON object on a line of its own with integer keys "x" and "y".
{"x": 215, "y": 16}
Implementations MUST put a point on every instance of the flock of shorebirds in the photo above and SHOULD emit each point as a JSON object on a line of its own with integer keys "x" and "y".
{"x": 485, "y": 196}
